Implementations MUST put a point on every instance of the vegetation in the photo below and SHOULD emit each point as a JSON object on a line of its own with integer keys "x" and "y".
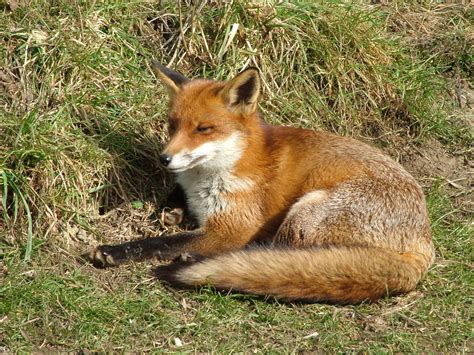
{"x": 81, "y": 124}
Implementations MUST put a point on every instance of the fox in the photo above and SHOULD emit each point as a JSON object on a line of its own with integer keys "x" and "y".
{"x": 283, "y": 212}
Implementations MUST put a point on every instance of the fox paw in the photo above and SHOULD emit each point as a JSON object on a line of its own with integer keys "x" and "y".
{"x": 173, "y": 217}
{"x": 188, "y": 258}
{"x": 169, "y": 273}
{"x": 103, "y": 256}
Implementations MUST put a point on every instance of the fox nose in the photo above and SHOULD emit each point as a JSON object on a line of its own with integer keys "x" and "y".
{"x": 165, "y": 159}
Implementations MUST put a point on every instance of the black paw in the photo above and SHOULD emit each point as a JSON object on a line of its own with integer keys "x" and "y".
{"x": 105, "y": 256}
{"x": 170, "y": 273}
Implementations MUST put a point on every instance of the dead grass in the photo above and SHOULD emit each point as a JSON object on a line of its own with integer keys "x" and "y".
{"x": 442, "y": 33}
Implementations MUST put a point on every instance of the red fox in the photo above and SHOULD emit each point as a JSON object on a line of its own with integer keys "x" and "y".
{"x": 292, "y": 213}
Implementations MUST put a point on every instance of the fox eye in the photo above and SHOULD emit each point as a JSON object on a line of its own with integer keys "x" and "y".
{"x": 204, "y": 128}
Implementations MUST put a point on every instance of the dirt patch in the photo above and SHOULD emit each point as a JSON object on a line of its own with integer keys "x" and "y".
{"x": 432, "y": 162}
{"x": 130, "y": 221}
{"x": 119, "y": 225}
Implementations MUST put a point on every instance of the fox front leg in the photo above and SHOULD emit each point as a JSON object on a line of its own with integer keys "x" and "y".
{"x": 175, "y": 207}
{"x": 166, "y": 247}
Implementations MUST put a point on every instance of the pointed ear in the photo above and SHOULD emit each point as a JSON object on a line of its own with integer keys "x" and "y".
{"x": 242, "y": 92}
{"x": 172, "y": 80}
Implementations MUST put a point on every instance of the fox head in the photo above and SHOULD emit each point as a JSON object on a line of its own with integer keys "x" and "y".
{"x": 209, "y": 121}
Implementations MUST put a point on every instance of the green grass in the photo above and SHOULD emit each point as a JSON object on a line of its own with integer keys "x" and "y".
{"x": 57, "y": 303}
{"x": 82, "y": 121}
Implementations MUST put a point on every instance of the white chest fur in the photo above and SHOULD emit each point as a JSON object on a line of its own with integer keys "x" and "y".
{"x": 211, "y": 192}
{"x": 211, "y": 186}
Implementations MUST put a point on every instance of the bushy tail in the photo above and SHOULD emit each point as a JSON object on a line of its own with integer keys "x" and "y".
{"x": 337, "y": 274}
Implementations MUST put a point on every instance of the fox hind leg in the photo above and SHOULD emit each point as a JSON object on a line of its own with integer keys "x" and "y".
{"x": 356, "y": 213}
{"x": 322, "y": 218}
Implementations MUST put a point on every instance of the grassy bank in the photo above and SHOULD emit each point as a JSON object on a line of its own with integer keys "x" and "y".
{"x": 82, "y": 121}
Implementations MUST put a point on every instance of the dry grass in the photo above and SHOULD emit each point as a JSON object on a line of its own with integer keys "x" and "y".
{"x": 443, "y": 33}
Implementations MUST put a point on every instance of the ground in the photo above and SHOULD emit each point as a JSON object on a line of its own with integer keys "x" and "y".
{"x": 82, "y": 121}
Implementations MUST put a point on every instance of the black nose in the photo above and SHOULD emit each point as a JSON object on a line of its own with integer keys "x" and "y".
{"x": 165, "y": 159}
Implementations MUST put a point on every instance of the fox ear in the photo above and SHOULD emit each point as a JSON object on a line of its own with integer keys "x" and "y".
{"x": 170, "y": 79}
{"x": 242, "y": 92}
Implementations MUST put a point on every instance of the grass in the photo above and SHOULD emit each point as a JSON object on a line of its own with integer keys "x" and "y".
{"x": 442, "y": 34}
{"x": 56, "y": 303}
{"x": 82, "y": 121}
